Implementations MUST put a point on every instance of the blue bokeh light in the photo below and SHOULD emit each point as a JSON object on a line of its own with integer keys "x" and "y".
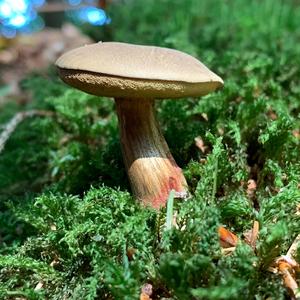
{"x": 17, "y": 21}
{"x": 5, "y": 10}
{"x": 18, "y": 6}
{"x": 20, "y": 16}
{"x": 92, "y": 15}
{"x": 7, "y": 32}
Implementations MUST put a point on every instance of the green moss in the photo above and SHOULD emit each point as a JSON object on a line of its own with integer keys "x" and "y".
{"x": 67, "y": 219}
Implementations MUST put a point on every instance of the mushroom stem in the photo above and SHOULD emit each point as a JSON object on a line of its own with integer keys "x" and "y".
{"x": 151, "y": 169}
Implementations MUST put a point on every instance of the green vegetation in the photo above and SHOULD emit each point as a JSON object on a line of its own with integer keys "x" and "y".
{"x": 67, "y": 219}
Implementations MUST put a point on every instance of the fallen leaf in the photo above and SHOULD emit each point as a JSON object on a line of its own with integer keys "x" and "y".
{"x": 272, "y": 115}
{"x": 204, "y": 116}
{"x": 288, "y": 275}
{"x": 146, "y": 292}
{"x": 130, "y": 253}
{"x": 228, "y": 251}
{"x": 251, "y": 235}
{"x": 221, "y": 131}
{"x": 251, "y": 188}
{"x": 296, "y": 133}
{"x": 39, "y": 286}
{"x": 54, "y": 262}
{"x": 200, "y": 144}
{"x": 227, "y": 238}
{"x": 287, "y": 267}
{"x": 53, "y": 227}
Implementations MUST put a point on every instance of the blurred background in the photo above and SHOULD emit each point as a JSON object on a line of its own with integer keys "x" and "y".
{"x": 29, "y": 16}
{"x": 33, "y": 33}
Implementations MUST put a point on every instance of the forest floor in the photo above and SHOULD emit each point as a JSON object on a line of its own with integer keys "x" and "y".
{"x": 69, "y": 226}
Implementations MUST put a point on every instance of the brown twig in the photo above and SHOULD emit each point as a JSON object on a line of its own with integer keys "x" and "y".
{"x": 294, "y": 246}
{"x": 287, "y": 272}
{"x": 287, "y": 267}
{"x": 254, "y": 235}
{"x": 11, "y": 126}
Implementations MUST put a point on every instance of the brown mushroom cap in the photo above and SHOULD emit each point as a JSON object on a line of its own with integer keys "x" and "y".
{"x": 124, "y": 70}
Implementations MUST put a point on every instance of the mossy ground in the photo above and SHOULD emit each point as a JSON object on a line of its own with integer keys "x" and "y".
{"x": 67, "y": 219}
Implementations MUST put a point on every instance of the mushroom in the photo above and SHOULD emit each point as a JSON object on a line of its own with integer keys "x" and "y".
{"x": 135, "y": 76}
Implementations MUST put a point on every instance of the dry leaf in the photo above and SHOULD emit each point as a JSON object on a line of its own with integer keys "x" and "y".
{"x": 146, "y": 292}
{"x": 204, "y": 116}
{"x": 144, "y": 297}
{"x": 288, "y": 275}
{"x": 39, "y": 286}
{"x": 272, "y": 115}
{"x": 228, "y": 251}
{"x": 251, "y": 188}
{"x": 221, "y": 131}
{"x": 287, "y": 266}
{"x": 53, "y": 227}
{"x": 296, "y": 133}
{"x": 200, "y": 144}
{"x": 130, "y": 253}
{"x": 54, "y": 262}
{"x": 227, "y": 238}
{"x": 251, "y": 235}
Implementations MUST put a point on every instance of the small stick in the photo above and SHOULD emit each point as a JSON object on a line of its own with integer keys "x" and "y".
{"x": 287, "y": 266}
{"x": 254, "y": 235}
{"x": 294, "y": 246}
{"x": 11, "y": 126}
{"x": 287, "y": 271}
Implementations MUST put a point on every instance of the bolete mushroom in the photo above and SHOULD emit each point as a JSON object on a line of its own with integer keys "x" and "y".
{"x": 136, "y": 75}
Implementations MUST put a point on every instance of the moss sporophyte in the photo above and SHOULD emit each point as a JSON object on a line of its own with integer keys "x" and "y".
{"x": 135, "y": 76}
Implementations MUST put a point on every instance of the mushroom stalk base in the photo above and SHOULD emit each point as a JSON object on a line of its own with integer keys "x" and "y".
{"x": 151, "y": 169}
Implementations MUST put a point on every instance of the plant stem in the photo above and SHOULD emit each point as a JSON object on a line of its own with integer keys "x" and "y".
{"x": 170, "y": 210}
